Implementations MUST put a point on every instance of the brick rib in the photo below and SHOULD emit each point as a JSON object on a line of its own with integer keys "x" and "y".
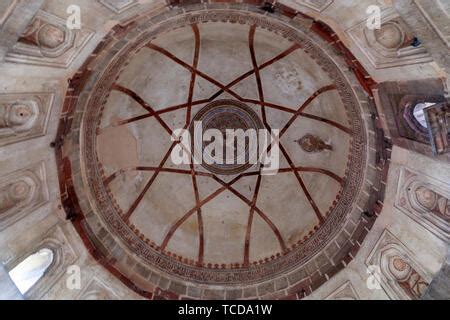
{"x": 302, "y": 185}
{"x": 188, "y": 118}
{"x": 332, "y": 175}
{"x": 250, "y": 222}
{"x": 192, "y": 69}
{"x": 262, "y": 66}
{"x": 146, "y": 106}
{"x": 149, "y": 183}
{"x": 186, "y": 216}
{"x": 305, "y": 105}
{"x": 263, "y": 216}
{"x": 330, "y": 122}
{"x": 193, "y": 74}
{"x": 160, "y": 112}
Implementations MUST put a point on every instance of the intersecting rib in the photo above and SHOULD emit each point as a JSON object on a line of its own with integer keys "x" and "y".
{"x": 225, "y": 186}
{"x": 302, "y": 184}
{"x": 263, "y": 216}
{"x": 149, "y": 184}
{"x": 229, "y": 187}
{"x": 160, "y": 112}
{"x": 188, "y": 118}
{"x": 109, "y": 179}
{"x": 330, "y": 122}
{"x": 262, "y": 66}
{"x": 270, "y": 105}
{"x": 186, "y": 216}
{"x": 145, "y": 105}
{"x": 305, "y": 105}
{"x": 192, "y": 69}
{"x": 132, "y": 95}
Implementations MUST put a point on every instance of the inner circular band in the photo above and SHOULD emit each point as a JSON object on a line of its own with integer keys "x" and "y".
{"x": 223, "y": 115}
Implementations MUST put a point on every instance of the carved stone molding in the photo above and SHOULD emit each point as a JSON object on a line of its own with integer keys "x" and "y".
{"x": 21, "y": 192}
{"x": 97, "y": 290}
{"x": 48, "y": 42}
{"x": 63, "y": 256}
{"x": 426, "y": 200}
{"x": 8, "y": 289}
{"x": 6, "y": 8}
{"x": 409, "y": 126}
{"x": 396, "y": 102}
{"x": 318, "y": 5}
{"x": 119, "y": 6}
{"x": 344, "y": 292}
{"x": 24, "y": 116}
{"x": 413, "y": 15}
{"x": 437, "y": 13}
{"x": 390, "y": 46}
{"x": 401, "y": 276}
{"x": 437, "y": 118}
{"x": 15, "y": 15}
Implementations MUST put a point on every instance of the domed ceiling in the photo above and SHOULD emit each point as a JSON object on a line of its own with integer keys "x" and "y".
{"x": 209, "y": 225}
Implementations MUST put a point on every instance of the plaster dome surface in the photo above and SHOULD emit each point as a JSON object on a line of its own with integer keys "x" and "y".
{"x": 199, "y": 224}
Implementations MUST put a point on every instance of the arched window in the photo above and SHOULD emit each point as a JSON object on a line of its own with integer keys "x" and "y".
{"x": 414, "y": 109}
{"x": 419, "y": 114}
{"x": 28, "y": 272}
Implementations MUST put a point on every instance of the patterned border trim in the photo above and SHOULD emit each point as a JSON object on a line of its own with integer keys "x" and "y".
{"x": 253, "y": 118}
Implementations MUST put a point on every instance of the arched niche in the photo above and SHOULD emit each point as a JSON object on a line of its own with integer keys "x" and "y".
{"x": 30, "y": 270}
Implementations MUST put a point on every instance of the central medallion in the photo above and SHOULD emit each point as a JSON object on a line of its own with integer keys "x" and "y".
{"x": 223, "y": 115}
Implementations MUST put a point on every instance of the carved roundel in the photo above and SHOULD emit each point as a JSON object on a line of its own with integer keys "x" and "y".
{"x": 217, "y": 224}
{"x": 225, "y": 115}
{"x": 390, "y": 35}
